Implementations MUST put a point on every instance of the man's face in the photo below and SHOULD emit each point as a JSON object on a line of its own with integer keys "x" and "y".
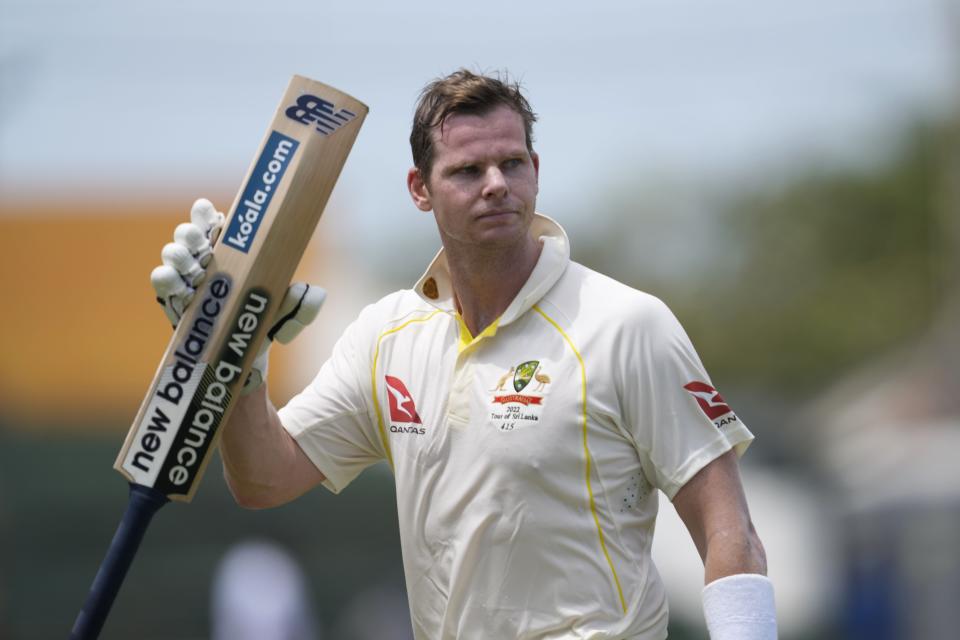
{"x": 482, "y": 188}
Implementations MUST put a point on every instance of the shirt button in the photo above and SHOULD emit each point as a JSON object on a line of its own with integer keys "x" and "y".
{"x": 430, "y": 288}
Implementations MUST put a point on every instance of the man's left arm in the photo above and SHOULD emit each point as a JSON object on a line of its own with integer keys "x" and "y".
{"x": 738, "y": 598}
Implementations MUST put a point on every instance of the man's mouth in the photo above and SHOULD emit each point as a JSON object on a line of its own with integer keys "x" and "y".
{"x": 496, "y": 214}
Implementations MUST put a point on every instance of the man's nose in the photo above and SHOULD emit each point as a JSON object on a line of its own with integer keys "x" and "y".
{"x": 495, "y": 184}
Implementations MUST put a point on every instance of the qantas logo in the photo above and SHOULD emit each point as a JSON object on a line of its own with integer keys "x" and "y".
{"x": 402, "y": 408}
{"x": 709, "y": 399}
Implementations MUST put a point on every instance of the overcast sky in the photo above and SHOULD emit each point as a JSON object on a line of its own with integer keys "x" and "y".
{"x": 110, "y": 94}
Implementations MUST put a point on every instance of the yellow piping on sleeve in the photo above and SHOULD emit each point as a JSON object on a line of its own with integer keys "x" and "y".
{"x": 373, "y": 381}
{"x": 586, "y": 451}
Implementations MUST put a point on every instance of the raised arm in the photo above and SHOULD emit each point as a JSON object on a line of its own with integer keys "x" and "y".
{"x": 262, "y": 463}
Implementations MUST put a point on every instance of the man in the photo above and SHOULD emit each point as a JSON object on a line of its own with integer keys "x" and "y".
{"x": 529, "y": 409}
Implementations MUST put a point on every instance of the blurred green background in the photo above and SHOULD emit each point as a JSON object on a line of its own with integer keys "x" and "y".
{"x": 787, "y": 179}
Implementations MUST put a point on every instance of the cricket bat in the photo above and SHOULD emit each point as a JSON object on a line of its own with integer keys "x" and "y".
{"x": 200, "y": 376}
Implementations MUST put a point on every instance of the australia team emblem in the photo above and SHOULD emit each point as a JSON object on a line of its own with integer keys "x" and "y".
{"x": 521, "y": 406}
{"x": 523, "y": 374}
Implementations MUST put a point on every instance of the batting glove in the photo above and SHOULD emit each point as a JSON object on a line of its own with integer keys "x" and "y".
{"x": 183, "y": 270}
{"x": 184, "y": 259}
{"x": 300, "y": 306}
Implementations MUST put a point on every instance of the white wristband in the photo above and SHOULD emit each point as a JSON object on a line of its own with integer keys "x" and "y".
{"x": 740, "y": 607}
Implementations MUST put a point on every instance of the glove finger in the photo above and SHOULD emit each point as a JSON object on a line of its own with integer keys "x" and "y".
{"x": 206, "y": 217}
{"x": 173, "y": 294}
{"x": 177, "y": 256}
{"x": 194, "y": 239}
{"x": 299, "y": 308}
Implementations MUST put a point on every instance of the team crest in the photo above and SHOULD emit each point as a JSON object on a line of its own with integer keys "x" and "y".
{"x": 509, "y": 408}
{"x": 523, "y": 374}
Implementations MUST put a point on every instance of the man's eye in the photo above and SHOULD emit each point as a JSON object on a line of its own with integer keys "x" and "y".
{"x": 512, "y": 163}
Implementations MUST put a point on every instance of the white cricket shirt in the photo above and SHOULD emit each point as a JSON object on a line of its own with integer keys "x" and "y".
{"x": 525, "y": 458}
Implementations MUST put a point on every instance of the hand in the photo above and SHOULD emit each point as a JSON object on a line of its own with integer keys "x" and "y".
{"x": 299, "y": 307}
{"x": 183, "y": 270}
{"x": 184, "y": 259}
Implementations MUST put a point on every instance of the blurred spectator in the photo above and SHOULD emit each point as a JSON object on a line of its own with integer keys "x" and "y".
{"x": 259, "y": 593}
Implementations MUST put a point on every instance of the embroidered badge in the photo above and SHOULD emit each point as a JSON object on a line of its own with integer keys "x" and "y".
{"x": 514, "y": 410}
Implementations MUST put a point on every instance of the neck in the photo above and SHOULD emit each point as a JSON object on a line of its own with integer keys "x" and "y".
{"x": 486, "y": 282}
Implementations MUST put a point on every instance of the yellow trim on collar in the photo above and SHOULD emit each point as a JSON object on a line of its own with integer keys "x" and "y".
{"x": 467, "y": 340}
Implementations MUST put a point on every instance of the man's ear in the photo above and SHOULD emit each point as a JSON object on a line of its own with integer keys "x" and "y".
{"x": 418, "y": 190}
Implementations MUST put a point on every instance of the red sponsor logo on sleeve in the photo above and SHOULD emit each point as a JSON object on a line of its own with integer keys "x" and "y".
{"x": 709, "y": 399}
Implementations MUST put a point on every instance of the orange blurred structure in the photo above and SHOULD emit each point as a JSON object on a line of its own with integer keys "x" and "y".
{"x": 81, "y": 336}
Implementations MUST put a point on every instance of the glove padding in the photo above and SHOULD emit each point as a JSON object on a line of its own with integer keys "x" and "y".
{"x": 184, "y": 259}
{"x": 300, "y": 306}
{"x": 183, "y": 270}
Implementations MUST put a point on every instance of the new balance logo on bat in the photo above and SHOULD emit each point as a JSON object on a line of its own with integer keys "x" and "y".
{"x": 313, "y": 110}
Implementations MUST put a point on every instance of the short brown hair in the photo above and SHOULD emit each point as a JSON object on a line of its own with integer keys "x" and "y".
{"x": 463, "y": 92}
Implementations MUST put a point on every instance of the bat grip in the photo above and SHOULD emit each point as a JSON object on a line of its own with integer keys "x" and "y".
{"x": 143, "y": 503}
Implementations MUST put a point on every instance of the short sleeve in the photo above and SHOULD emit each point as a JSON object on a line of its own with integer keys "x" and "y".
{"x": 676, "y": 418}
{"x": 332, "y": 418}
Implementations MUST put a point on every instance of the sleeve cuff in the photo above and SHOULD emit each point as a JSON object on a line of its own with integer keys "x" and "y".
{"x": 738, "y": 440}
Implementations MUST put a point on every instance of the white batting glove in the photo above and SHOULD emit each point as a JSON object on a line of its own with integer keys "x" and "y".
{"x": 183, "y": 269}
{"x": 300, "y": 306}
{"x": 184, "y": 259}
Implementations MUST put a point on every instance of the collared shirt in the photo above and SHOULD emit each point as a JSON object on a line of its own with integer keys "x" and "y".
{"x": 526, "y": 458}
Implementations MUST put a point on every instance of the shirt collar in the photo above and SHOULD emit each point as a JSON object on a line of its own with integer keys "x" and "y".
{"x": 435, "y": 288}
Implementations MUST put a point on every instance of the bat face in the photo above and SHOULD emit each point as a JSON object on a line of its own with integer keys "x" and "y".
{"x": 272, "y": 218}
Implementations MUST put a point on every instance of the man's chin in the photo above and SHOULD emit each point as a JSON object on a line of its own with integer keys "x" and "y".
{"x": 510, "y": 224}
{"x": 503, "y": 235}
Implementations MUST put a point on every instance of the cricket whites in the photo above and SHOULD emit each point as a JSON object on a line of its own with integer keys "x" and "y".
{"x": 265, "y": 234}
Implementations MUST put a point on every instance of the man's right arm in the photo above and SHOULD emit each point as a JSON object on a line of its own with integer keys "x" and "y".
{"x": 262, "y": 463}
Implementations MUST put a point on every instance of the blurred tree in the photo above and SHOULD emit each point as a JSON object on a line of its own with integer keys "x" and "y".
{"x": 785, "y": 282}
{"x": 834, "y": 266}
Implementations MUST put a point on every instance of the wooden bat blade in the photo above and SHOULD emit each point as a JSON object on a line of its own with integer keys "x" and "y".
{"x": 266, "y": 232}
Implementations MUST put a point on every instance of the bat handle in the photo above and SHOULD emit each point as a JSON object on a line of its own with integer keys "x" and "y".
{"x": 143, "y": 503}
